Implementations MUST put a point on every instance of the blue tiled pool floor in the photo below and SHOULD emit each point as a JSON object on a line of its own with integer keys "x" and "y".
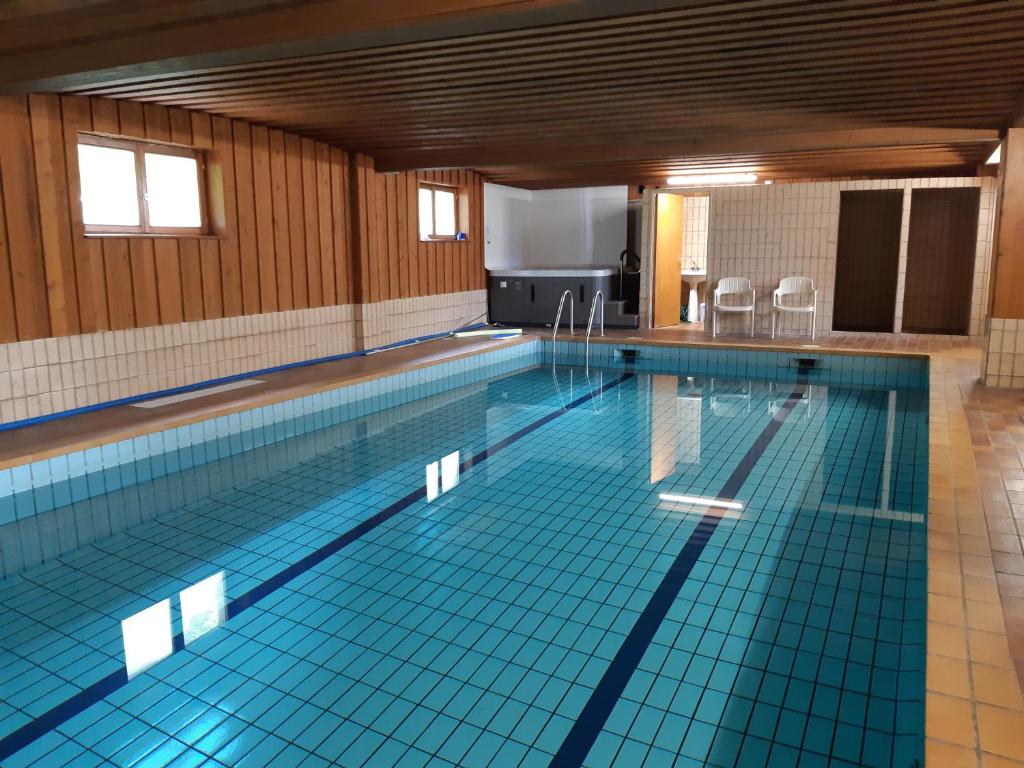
{"x": 476, "y": 627}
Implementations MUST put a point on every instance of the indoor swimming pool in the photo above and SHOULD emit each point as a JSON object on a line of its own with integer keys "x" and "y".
{"x": 660, "y": 562}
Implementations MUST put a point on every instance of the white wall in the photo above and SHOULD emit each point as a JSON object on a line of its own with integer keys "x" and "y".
{"x": 766, "y": 232}
{"x": 553, "y": 227}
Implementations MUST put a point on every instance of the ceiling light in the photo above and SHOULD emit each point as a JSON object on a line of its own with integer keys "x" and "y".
{"x": 700, "y": 501}
{"x": 993, "y": 159}
{"x": 711, "y": 179}
{"x": 768, "y": 181}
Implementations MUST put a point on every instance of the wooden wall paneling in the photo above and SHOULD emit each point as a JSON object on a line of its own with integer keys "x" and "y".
{"x": 230, "y": 265}
{"x": 325, "y": 225}
{"x": 402, "y": 234}
{"x": 188, "y": 247}
{"x": 181, "y": 126}
{"x": 191, "y": 279}
{"x": 54, "y": 219}
{"x": 263, "y": 202}
{"x": 132, "y": 120}
{"x": 209, "y": 249}
{"x": 209, "y": 258}
{"x": 412, "y": 234}
{"x": 393, "y": 266}
{"x": 360, "y": 256}
{"x": 8, "y": 320}
{"x": 311, "y": 224}
{"x": 105, "y": 115}
{"x": 378, "y": 241}
{"x": 248, "y": 257}
{"x": 464, "y": 246}
{"x": 168, "y": 280}
{"x": 340, "y": 222}
{"x": 24, "y": 241}
{"x": 296, "y": 227}
{"x": 282, "y": 242}
{"x": 144, "y": 288}
{"x": 87, "y": 253}
{"x": 427, "y": 254}
{"x": 118, "y": 267}
{"x": 450, "y": 278}
{"x": 157, "y": 122}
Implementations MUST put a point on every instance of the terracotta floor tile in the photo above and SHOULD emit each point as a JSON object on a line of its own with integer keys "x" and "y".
{"x": 989, "y": 648}
{"x": 949, "y": 755}
{"x": 948, "y": 610}
{"x": 1001, "y": 731}
{"x": 948, "y": 675}
{"x": 992, "y": 685}
{"x": 984, "y": 616}
{"x": 982, "y": 590}
{"x": 951, "y": 718}
{"x": 947, "y": 640}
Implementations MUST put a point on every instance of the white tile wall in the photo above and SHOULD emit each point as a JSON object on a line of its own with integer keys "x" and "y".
{"x": 57, "y": 374}
{"x": 766, "y": 232}
{"x": 1003, "y": 363}
{"x": 389, "y": 321}
{"x": 695, "y": 232}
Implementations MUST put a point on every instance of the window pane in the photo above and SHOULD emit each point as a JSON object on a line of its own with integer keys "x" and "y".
{"x": 426, "y": 213}
{"x": 110, "y": 194}
{"x": 172, "y": 191}
{"x": 445, "y": 202}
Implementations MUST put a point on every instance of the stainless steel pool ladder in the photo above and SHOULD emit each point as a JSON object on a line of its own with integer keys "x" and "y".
{"x": 590, "y": 326}
{"x": 558, "y": 319}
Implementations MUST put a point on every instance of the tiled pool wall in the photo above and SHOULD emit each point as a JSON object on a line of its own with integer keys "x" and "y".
{"x": 761, "y": 365}
{"x": 53, "y": 506}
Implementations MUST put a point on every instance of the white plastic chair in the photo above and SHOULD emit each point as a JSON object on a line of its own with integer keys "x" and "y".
{"x": 732, "y": 286}
{"x": 795, "y": 286}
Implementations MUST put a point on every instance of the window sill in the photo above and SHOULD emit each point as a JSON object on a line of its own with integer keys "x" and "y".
{"x": 443, "y": 240}
{"x": 154, "y": 235}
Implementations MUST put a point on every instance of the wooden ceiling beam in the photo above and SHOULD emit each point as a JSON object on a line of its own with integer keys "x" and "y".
{"x": 750, "y": 143}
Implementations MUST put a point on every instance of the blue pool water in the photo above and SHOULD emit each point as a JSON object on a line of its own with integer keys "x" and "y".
{"x": 627, "y": 568}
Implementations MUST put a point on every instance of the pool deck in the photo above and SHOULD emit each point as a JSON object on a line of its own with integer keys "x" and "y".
{"x": 974, "y": 710}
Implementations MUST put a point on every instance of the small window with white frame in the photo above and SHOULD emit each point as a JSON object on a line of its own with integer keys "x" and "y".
{"x": 131, "y": 186}
{"x": 439, "y": 211}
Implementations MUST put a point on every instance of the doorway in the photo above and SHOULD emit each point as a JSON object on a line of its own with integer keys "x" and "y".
{"x": 867, "y": 260}
{"x": 680, "y": 259}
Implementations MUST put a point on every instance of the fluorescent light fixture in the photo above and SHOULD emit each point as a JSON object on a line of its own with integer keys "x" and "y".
{"x": 711, "y": 179}
{"x": 996, "y": 155}
{"x": 147, "y": 637}
{"x": 202, "y": 607}
{"x": 769, "y": 181}
{"x": 700, "y": 501}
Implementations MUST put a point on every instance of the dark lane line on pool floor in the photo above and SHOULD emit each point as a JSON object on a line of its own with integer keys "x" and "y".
{"x": 79, "y": 702}
{"x": 595, "y": 713}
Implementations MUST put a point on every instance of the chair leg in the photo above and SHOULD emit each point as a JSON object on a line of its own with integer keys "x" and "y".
{"x": 714, "y": 322}
{"x": 773, "y": 323}
{"x": 814, "y": 322}
{"x": 751, "y": 323}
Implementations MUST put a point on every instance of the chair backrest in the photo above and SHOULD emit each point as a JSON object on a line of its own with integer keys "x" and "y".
{"x": 795, "y": 285}
{"x": 733, "y": 285}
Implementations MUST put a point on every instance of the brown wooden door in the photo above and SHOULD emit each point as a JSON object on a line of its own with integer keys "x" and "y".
{"x": 867, "y": 261}
{"x": 668, "y": 255}
{"x": 940, "y": 260}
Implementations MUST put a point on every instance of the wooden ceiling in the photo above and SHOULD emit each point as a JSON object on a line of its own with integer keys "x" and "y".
{"x": 582, "y": 92}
